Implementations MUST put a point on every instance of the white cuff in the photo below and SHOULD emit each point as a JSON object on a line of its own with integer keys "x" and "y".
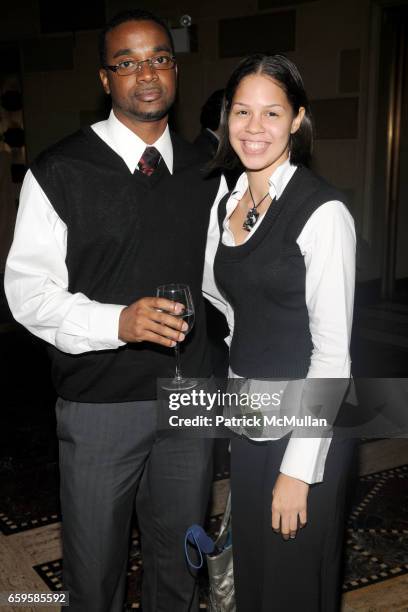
{"x": 305, "y": 458}
{"x": 104, "y": 326}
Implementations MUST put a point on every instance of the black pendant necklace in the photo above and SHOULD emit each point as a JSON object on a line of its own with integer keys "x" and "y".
{"x": 252, "y": 214}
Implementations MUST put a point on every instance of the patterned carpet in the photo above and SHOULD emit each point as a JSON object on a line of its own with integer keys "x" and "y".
{"x": 51, "y": 572}
{"x": 376, "y": 543}
{"x": 29, "y": 498}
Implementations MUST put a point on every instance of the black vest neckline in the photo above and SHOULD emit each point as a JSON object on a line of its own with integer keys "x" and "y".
{"x": 232, "y": 252}
{"x": 184, "y": 155}
{"x": 112, "y": 155}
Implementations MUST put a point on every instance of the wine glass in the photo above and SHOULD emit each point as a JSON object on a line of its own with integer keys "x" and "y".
{"x": 180, "y": 293}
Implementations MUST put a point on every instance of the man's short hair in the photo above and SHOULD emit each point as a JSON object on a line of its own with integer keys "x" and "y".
{"x": 124, "y": 17}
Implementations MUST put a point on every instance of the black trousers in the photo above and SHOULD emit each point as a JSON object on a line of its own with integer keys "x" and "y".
{"x": 274, "y": 575}
{"x": 110, "y": 460}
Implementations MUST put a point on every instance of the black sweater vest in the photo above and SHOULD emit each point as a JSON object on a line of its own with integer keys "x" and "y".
{"x": 127, "y": 234}
{"x": 264, "y": 280}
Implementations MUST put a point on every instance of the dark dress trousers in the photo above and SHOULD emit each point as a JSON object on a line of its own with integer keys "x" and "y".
{"x": 274, "y": 575}
{"x": 112, "y": 462}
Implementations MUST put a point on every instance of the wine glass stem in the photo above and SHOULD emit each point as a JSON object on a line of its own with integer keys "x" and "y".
{"x": 178, "y": 363}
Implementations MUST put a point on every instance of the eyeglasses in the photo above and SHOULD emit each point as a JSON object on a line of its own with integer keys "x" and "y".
{"x": 129, "y": 66}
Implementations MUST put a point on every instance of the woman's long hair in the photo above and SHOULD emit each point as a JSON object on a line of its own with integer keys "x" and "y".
{"x": 285, "y": 74}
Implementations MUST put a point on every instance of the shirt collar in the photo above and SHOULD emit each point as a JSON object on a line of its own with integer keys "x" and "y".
{"x": 130, "y": 147}
{"x": 277, "y": 181}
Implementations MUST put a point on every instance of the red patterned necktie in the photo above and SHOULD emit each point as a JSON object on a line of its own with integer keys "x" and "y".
{"x": 149, "y": 160}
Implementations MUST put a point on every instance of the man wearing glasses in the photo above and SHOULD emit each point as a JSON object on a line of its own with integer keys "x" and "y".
{"x": 106, "y": 216}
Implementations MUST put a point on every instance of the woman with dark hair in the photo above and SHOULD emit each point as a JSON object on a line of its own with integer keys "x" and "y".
{"x": 280, "y": 264}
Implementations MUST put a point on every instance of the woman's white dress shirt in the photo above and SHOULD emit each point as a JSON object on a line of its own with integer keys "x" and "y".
{"x": 327, "y": 243}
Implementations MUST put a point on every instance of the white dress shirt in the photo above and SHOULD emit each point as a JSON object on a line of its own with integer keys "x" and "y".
{"x": 327, "y": 243}
{"x": 36, "y": 275}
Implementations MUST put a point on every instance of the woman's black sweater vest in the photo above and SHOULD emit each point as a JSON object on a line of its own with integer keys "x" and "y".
{"x": 264, "y": 280}
{"x": 127, "y": 234}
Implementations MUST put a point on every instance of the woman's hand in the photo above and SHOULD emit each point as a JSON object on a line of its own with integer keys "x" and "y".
{"x": 289, "y": 504}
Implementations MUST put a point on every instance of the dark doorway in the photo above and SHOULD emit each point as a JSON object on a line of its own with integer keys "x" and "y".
{"x": 391, "y": 183}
